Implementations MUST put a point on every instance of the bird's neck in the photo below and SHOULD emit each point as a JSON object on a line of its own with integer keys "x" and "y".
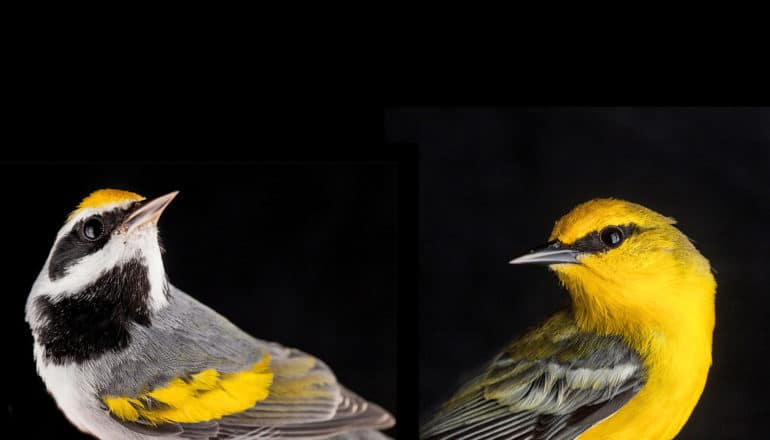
{"x": 683, "y": 318}
{"x": 79, "y": 326}
{"x": 673, "y": 336}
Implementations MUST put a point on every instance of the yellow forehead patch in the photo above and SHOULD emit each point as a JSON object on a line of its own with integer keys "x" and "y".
{"x": 595, "y": 214}
{"x": 105, "y": 197}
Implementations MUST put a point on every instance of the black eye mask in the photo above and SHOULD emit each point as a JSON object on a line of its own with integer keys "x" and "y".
{"x": 79, "y": 242}
{"x": 608, "y": 238}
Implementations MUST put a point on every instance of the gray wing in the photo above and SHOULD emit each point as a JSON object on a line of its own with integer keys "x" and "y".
{"x": 552, "y": 384}
{"x": 305, "y": 399}
{"x": 351, "y": 414}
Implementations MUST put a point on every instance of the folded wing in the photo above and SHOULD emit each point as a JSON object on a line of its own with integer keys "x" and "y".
{"x": 554, "y": 383}
{"x": 199, "y": 377}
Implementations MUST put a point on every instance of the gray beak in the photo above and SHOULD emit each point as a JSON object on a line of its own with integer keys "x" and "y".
{"x": 552, "y": 253}
{"x": 149, "y": 213}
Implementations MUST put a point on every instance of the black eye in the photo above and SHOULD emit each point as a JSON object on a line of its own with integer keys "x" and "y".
{"x": 612, "y": 236}
{"x": 93, "y": 228}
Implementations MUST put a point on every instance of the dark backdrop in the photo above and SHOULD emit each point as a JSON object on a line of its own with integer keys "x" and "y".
{"x": 300, "y": 253}
{"x": 493, "y": 181}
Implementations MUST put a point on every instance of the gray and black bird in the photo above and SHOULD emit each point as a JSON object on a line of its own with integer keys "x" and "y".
{"x": 126, "y": 355}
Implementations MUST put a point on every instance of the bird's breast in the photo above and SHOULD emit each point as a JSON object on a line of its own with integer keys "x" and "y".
{"x": 676, "y": 371}
{"x": 66, "y": 384}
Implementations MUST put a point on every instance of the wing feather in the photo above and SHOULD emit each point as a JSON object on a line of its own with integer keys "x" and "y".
{"x": 194, "y": 375}
{"x": 551, "y": 384}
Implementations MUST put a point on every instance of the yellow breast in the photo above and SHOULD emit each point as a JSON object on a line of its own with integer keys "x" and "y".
{"x": 677, "y": 365}
{"x": 656, "y": 291}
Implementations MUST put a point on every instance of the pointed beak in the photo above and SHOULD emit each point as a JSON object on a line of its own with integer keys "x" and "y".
{"x": 552, "y": 253}
{"x": 149, "y": 212}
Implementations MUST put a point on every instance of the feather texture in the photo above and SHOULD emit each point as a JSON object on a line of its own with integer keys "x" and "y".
{"x": 194, "y": 375}
{"x": 552, "y": 383}
{"x": 207, "y": 395}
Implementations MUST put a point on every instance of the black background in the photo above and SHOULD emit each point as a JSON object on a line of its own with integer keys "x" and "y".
{"x": 493, "y": 181}
{"x": 303, "y": 253}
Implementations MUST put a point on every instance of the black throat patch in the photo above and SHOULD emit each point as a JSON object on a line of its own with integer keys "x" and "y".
{"x": 97, "y": 319}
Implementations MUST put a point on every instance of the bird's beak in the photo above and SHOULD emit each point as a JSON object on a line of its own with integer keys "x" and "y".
{"x": 149, "y": 212}
{"x": 553, "y": 252}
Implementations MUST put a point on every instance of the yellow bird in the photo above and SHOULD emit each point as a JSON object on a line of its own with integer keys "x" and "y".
{"x": 629, "y": 358}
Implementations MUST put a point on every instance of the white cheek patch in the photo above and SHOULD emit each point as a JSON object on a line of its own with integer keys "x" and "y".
{"x": 120, "y": 248}
{"x": 145, "y": 243}
{"x": 88, "y": 212}
{"x": 86, "y": 270}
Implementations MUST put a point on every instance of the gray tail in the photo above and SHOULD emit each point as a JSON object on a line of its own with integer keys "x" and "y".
{"x": 361, "y": 435}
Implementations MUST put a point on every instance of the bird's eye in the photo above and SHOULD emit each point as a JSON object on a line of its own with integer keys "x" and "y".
{"x": 612, "y": 236}
{"x": 93, "y": 228}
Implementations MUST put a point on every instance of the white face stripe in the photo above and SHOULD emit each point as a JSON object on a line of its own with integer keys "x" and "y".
{"x": 88, "y": 212}
{"x": 141, "y": 243}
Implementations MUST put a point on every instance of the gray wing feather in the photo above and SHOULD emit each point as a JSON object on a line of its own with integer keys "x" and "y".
{"x": 187, "y": 337}
{"x": 361, "y": 435}
{"x": 555, "y": 398}
{"x": 353, "y": 414}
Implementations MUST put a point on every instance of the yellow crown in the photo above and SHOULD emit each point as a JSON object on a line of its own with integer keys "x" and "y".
{"x": 105, "y": 197}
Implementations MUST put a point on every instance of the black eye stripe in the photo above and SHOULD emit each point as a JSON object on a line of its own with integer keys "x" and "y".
{"x": 75, "y": 246}
{"x": 593, "y": 243}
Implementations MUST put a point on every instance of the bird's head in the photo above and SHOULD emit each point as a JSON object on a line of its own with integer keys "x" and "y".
{"x": 111, "y": 236}
{"x": 622, "y": 262}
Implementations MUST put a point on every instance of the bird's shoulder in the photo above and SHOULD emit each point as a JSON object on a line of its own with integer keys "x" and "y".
{"x": 554, "y": 379}
{"x": 559, "y": 341}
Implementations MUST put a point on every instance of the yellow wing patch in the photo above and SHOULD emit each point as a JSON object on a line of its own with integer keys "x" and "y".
{"x": 104, "y": 197}
{"x": 207, "y": 395}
